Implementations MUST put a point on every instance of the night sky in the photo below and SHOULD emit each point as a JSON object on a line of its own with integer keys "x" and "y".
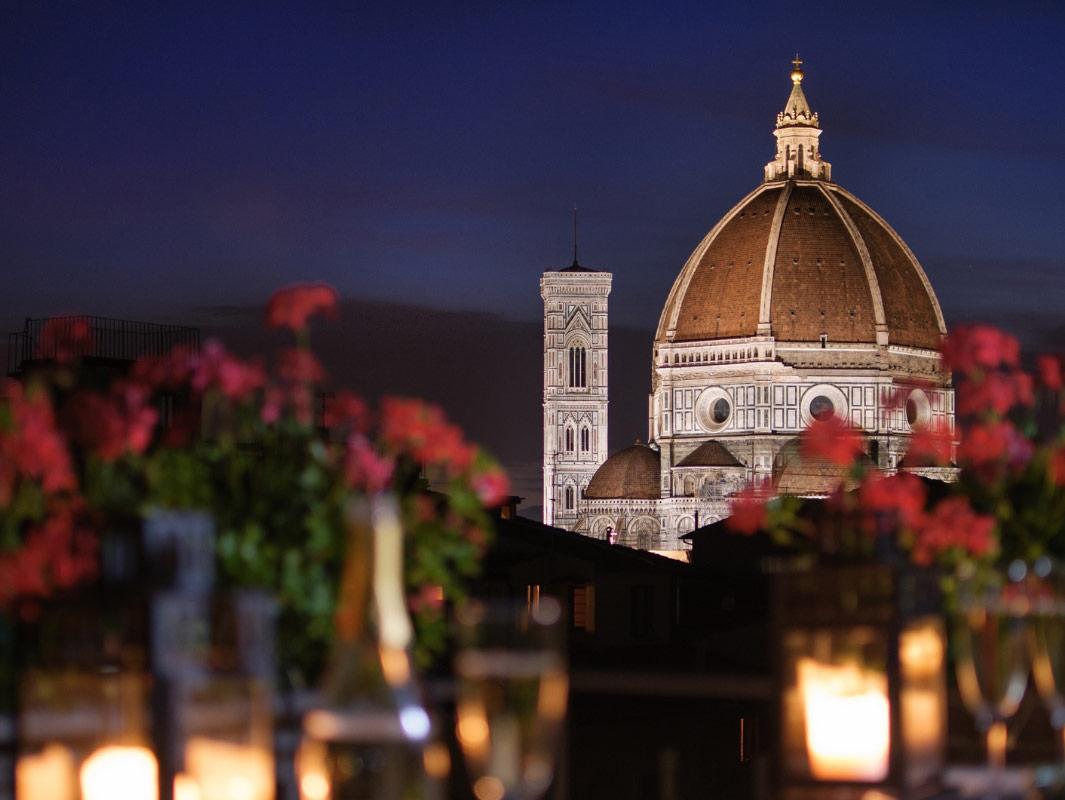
{"x": 169, "y": 164}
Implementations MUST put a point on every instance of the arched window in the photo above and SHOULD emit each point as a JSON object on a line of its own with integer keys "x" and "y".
{"x": 577, "y": 363}
{"x": 569, "y": 498}
{"x": 569, "y": 440}
{"x": 586, "y": 443}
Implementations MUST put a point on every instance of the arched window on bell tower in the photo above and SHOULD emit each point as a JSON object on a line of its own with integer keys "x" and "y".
{"x": 586, "y": 440}
{"x": 569, "y": 440}
{"x": 569, "y": 498}
{"x": 578, "y": 360}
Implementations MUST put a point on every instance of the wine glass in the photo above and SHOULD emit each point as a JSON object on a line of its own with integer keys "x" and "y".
{"x": 1047, "y": 640}
{"x": 512, "y": 695}
{"x": 991, "y": 665}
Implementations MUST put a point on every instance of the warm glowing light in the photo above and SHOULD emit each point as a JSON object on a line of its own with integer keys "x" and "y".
{"x": 120, "y": 773}
{"x": 395, "y": 665}
{"x": 186, "y": 788}
{"x": 554, "y": 690}
{"x": 314, "y": 786}
{"x": 437, "y": 761}
{"x": 848, "y": 721}
{"x": 922, "y": 722}
{"x": 229, "y": 771}
{"x": 48, "y": 775}
{"x": 313, "y": 771}
{"x": 921, "y": 652}
{"x": 472, "y": 728}
{"x": 489, "y": 788}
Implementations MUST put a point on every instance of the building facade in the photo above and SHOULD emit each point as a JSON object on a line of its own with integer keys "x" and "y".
{"x": 800, "y": 304}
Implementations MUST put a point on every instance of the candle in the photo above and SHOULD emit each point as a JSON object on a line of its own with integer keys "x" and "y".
{"x": 48, "y": 775}
{"x": 120, "y": 773}
{"x": 847, "y": 716}
{"x": 229, "y": 771}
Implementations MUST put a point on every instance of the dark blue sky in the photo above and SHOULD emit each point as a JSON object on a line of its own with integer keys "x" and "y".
{"x": 156, "y": 160}
{"x": 162, "y": 163}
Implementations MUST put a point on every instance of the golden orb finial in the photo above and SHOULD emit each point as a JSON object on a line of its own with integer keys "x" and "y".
{"x": 796, "y": 73}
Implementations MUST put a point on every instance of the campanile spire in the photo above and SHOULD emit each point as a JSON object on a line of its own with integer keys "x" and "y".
{"x": 797, "y": 132}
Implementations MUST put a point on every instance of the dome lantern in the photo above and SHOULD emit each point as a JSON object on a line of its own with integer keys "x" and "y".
{"x": 797, "y": 132}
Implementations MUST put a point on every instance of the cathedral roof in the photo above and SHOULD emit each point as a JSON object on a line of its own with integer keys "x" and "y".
{"x": 630, "y": 474}
{"x": 710, "y": 454}
{"x": 800, "y": 258}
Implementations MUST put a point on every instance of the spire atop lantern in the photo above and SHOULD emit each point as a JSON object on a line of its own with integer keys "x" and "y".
{"x": 797, "y": 132}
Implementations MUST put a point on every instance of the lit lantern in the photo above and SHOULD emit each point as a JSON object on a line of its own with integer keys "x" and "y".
{"x": 862, "y": 684}
{"x": 165, "y": 694}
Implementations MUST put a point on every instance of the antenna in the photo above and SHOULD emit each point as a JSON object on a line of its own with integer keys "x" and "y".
{"x": 576, "y": 263}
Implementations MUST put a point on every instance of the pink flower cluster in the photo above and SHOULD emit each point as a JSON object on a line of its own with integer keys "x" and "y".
{"x": 833, "y": 440}
{"x": 116, "y": 423}
{"x": 31, "y": 445}
{"x": 953, "y": 525}
{"x": 977, "y": 348}
{"x": 56, "y": 550}
{"x": 57, "y": 554}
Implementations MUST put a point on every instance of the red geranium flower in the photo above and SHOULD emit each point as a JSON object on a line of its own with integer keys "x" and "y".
{"x": 34, "y": 445}
{"x": 1050, "y": 375}
{"x": 365, "y": 468}
{"x": 903, "y": 494}
{"x": 969, "y": 348}
{"x": 953, "y": 524}
{"x": 300, "y": 366}
{"x": 930, "y": 447}
{"x": 1057, "y": 466}
{"x": 345, "y": 409}
{"x": 291, "y": 306}
{"x": 832, "y": 439}
{"x": 492, "y": 487}
{"x": 747, "y": 511}
{"x": 994, "y": 443}
{"x": 422, "y": 431}
{"x": 995, "y": 391}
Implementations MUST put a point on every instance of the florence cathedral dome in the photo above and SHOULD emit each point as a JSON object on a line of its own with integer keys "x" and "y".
{"x": 801, "y": 302}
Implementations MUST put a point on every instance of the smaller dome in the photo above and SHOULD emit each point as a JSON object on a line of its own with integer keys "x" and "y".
{"x": 630, "y": 474}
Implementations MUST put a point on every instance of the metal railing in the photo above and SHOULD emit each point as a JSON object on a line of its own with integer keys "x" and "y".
{"x": 94, "y": 337}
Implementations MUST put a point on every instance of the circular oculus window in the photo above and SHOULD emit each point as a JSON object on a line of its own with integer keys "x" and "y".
{"x": 823, "y": 402}
{"x": 918, "y": 409}
{"x": 713, "y": 409}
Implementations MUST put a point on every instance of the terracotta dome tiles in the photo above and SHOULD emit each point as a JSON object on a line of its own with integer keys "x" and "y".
{"x": 725, "y": 291}
{"x": 819, "y": 280}
{"x": 907, "y": 304}
{"x": 630, "y": 474}
{"x": 837, "y": 271}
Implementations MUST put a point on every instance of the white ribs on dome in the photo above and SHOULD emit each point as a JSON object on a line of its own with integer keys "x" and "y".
{"x": 801, "y": 301}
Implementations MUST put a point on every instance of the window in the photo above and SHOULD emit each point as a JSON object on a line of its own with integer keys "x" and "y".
{"x": 821, "y": 408}
{"x": 532, "y": 596}
{"x": 569, "y": 440}
{"x": 577, "y": 364}
{"x": 586, "y": 440}
{"x": 584, "y": 608}
{"x": 569, "y": 498}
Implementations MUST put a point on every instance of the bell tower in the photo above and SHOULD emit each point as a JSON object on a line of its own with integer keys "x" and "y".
{"x": 575, "y": 384}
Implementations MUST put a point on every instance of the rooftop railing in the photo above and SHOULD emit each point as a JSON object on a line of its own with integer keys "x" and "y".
{"x": 94, "y": 337}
